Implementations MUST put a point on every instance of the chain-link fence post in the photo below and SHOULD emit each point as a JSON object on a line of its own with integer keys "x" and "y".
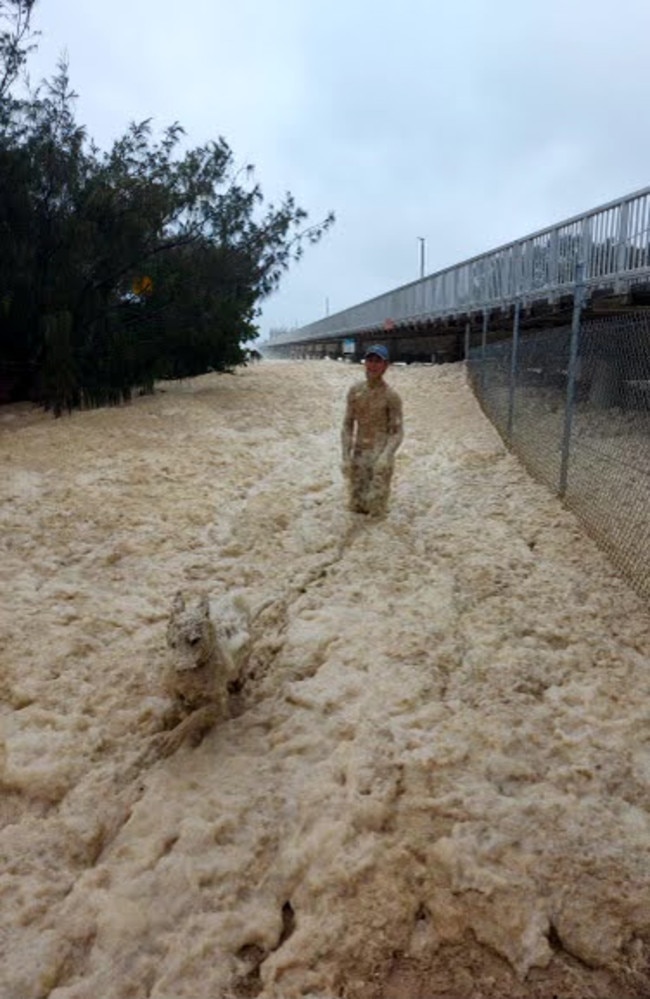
{"x": 484, "y": 347}
{"x": 571, "y": 377}
{"x": 513, "y": 370}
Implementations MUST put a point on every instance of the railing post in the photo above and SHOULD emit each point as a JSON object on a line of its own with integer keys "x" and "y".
{"x": 621, "y": 249}
{"x": 553, "y": 259}
{"x": 516, "y": 268}
{"x": 584, "y": 259}
{"x": 571, "y": 379}
{"x": 527, "y": 248}
{"x": 513, "y": 370}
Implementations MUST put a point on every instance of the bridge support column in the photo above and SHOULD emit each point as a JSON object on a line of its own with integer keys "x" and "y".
{"x": 513, "y": 370}
{"x": 484, "y": 346}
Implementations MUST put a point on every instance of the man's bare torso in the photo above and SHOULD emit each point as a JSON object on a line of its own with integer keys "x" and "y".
{"x": 377, "y": 414}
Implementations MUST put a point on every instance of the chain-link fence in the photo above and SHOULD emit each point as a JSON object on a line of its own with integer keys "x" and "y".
{"x": 573, "y": 402}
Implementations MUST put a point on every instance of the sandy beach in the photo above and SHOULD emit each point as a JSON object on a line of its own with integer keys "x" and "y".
{"x": 435, "y": 778}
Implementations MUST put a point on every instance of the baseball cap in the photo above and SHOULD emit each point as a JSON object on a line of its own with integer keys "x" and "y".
{"x": 379, "y": 350}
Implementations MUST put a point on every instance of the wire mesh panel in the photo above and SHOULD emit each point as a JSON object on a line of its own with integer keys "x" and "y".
{"x": 539, "y": 402}
{"x": 608, "y": 458}
{"x": 609, "y": 464}
{"x": 490, "y": 375}
{"x": 527, "y": 405}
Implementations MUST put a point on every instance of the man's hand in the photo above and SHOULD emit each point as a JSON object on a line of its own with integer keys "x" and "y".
{"x": 382, "y": 464}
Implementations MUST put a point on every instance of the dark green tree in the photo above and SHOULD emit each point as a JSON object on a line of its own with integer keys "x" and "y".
{"x": 16, "y": 40}
{"x": 120, "y": 267}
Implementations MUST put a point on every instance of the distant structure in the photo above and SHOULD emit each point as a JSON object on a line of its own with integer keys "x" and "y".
{"x": 605, "y": 252}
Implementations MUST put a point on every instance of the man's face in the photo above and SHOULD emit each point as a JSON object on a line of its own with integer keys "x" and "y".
{"x": 375, "y": 367}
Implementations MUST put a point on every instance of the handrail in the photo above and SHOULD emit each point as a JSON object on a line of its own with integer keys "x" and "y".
{"x": 611, "y": 241}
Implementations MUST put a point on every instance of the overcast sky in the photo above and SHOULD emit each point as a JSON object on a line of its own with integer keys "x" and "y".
{"x": 469, "y": 123}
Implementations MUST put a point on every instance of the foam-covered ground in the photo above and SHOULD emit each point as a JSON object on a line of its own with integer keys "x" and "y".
{"x": 435, "y": 782}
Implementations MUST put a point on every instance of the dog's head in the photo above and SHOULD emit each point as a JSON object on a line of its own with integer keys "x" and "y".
{"x": 190, "y": 633}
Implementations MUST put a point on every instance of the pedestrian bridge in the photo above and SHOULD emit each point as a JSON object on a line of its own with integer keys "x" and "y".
{"x": 604, "y": 252}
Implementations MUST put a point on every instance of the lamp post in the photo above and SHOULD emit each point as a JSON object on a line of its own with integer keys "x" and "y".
{"x": 422, "y": 241}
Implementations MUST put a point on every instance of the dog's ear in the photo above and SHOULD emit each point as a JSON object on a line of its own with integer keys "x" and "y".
{"x": 179, "y": 603}
{"x": 204, "y": 605}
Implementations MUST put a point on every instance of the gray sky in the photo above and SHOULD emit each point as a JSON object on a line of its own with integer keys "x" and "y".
{"x": 470, "y": 123}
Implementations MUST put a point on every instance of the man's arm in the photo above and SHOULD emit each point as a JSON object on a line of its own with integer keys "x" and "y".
{"x": 347, "y": 430}
{"x": 347, "y": 433}
{"x": 395, "y": 428}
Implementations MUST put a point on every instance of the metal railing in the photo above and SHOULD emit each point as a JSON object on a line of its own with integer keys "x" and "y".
{"x": 613, "y": 243}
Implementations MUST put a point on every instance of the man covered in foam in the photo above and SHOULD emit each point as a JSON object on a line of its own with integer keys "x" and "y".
{"x": 371, "y": 434}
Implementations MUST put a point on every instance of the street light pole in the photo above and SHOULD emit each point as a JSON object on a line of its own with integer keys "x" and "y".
{"x": 422, "y": 240}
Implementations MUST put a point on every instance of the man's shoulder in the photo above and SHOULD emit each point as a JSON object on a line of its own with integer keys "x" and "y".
{"x": 356, "y": 389}
{"x": 392, "y": 394}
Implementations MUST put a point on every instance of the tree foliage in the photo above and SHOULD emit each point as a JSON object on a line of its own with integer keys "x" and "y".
{"x": 16, "y": 39}
{"x": 119, "y": 267}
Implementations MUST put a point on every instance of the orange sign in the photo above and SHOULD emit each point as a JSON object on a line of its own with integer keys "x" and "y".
{"x": 142, "y": 285}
